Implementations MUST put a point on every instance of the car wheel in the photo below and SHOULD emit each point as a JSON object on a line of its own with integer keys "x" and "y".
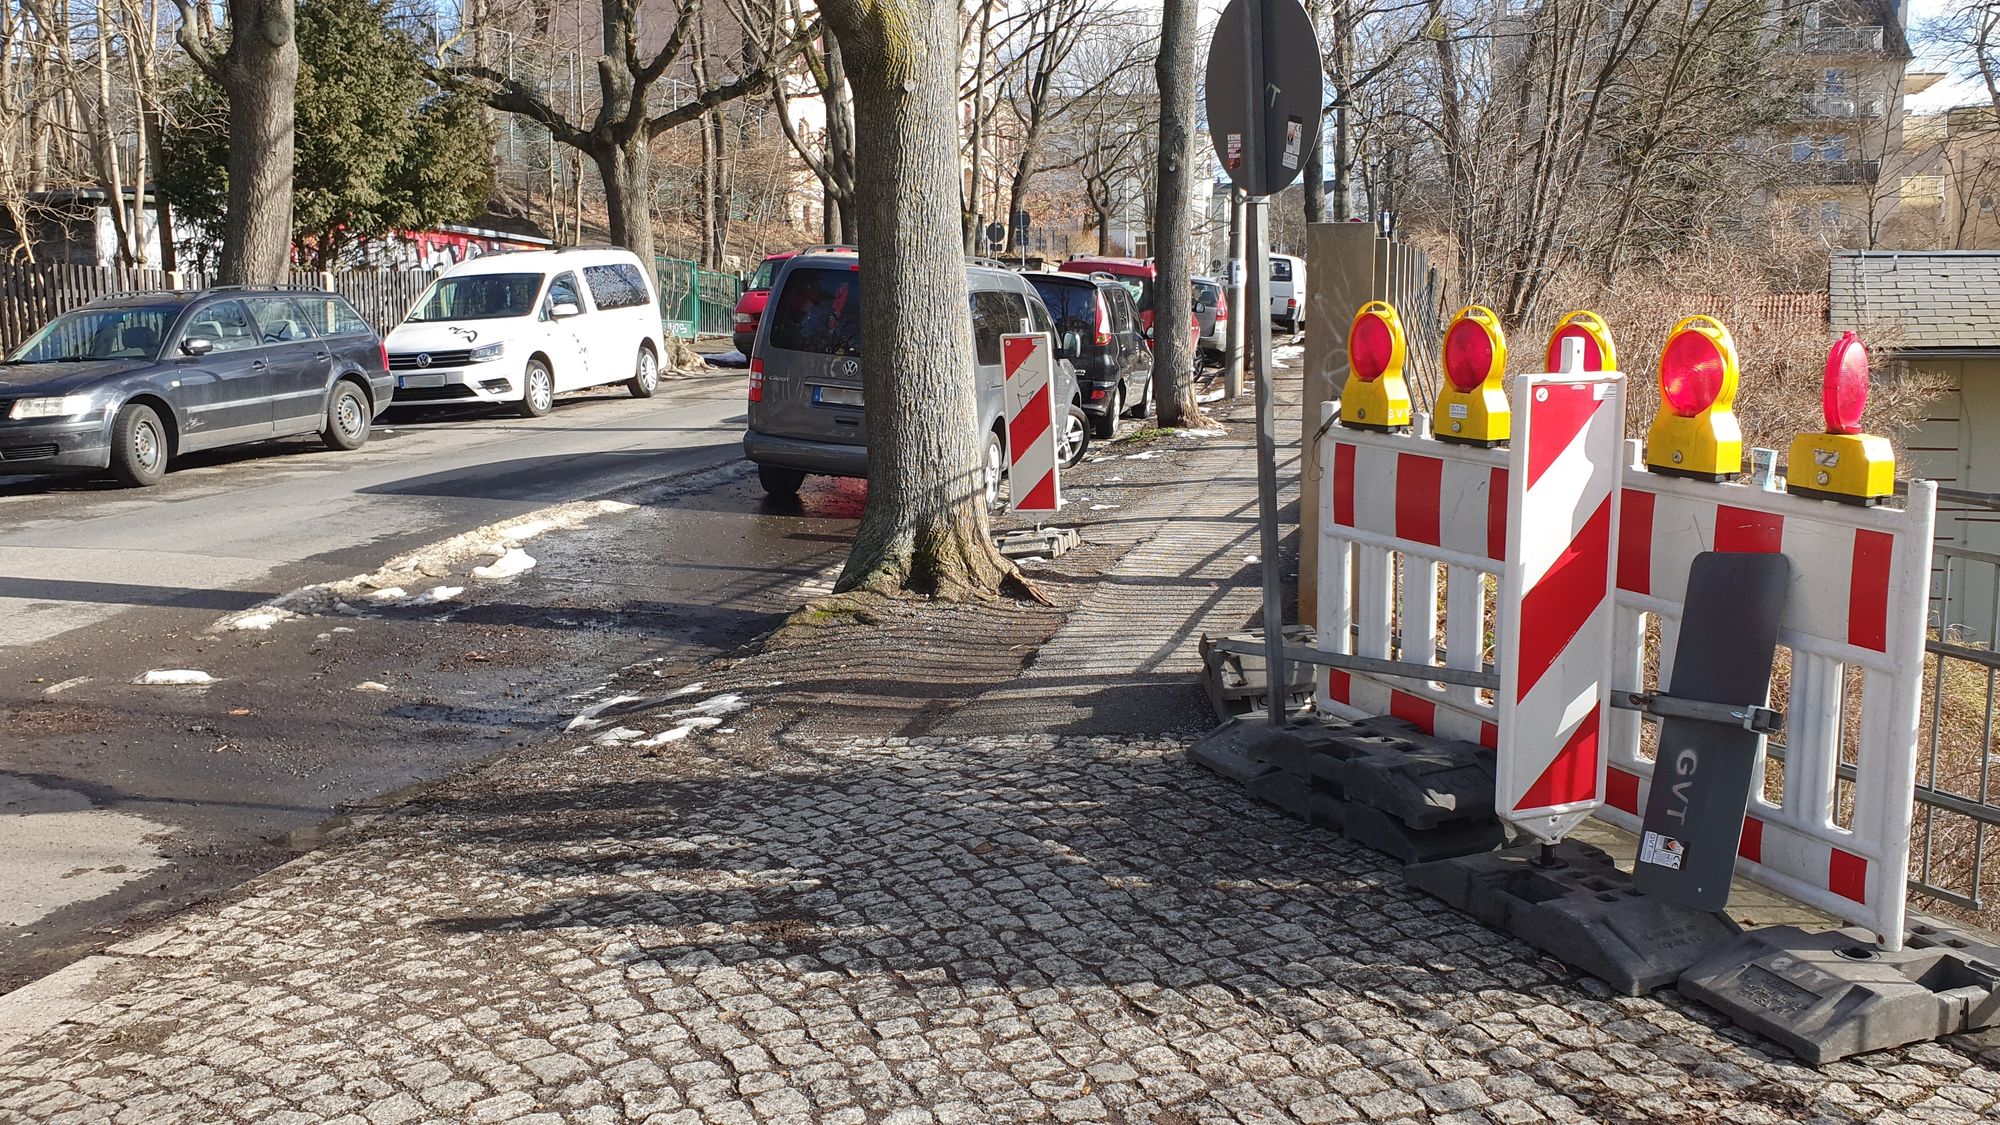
{"x": 1144, "y": 407}
{"x": 139, "y": 449}
{"x": 646, "y": 375}
{"x": 1108, "y": 424}
{"x": 538, "y": 391}
{"x": 993, "y": 467}
{"x": 347, "y": 418}
{"x": 1075, "y": 437}
{"x": 782, "y": 484}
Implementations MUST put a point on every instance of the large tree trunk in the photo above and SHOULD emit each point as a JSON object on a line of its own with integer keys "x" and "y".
{"x": 1173, "y": 350}
{"x": 260, "y": 75}
{"x": 925, "y": 526}
{"x": 627, "y": 172}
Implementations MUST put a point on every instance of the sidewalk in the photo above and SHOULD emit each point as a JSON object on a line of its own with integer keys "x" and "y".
{"x": 950, "y": 866}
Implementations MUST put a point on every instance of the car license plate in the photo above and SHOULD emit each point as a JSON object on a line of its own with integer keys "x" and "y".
{"x": 419, "y": 381}
{"x": 836, "y": 396}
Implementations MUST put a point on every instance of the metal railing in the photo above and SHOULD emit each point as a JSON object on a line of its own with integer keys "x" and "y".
{"x": 695, "y": 301}
{"x": 1840, "y": 106}
{"x": 1958, "y": 808}
{"x": 1841, "y": 40}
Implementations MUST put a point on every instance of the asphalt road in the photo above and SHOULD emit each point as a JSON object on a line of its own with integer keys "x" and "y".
{"x": 121, "y": 801}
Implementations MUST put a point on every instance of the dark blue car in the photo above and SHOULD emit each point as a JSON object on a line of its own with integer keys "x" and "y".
{"x": 129, "y": 382}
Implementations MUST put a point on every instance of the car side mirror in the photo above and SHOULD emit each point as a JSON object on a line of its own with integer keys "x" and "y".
{"x": 197, "y": 346}
{"x": 564, "y": 309}
{"x": 1071, "y": 346}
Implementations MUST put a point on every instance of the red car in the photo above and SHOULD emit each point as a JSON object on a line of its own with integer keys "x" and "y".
{"x": 750, "y": 306}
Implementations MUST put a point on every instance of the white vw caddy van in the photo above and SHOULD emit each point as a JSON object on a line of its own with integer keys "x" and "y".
{"x": 524, "y": 326}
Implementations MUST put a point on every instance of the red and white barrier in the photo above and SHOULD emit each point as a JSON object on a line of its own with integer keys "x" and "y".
{"x": 1398, "y": 510}
{"x": 1857, "y": 609}
{"x": 1555, "y": 652}
{"x": 1029, "y": 361}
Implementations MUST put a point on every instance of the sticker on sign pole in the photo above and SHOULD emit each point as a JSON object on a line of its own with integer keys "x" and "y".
{"x": 1556, "y": 597}
{"x": 1029, "y": 361}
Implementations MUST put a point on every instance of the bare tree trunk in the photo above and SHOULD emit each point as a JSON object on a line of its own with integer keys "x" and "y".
{"x": 925, "y": 526}
{"x": 1173, "y": 350}
{"x": 260, "y": 75}
{"x": 628, "y": 180}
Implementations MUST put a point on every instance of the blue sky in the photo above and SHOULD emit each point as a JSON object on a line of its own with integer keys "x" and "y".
{"x": 1951, "y": 92}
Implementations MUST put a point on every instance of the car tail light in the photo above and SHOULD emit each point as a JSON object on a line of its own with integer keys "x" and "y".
{"x": 756, "y": 380}
{"x": 1103, "y": 335}
{"x": 745, "y": 319}
{"x": 1291, "y": 302}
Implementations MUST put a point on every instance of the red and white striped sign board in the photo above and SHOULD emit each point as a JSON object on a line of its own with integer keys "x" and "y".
{"x": 1556, "y": 599}
{"x": 1029, "y": 360}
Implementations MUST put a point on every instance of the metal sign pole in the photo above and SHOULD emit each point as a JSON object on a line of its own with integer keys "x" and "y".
{"x": 1276, "y": 672}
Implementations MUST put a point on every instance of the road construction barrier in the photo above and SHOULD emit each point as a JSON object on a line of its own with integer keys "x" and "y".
{"x": 1400, "y": 509}
{"x": 1029, "y": 363}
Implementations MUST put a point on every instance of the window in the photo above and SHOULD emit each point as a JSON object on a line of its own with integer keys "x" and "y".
{"x": 486, "y": 296}
{"x": 331, "y": 316}
{"x": 1833, "y": 148}
{"x": 1836, "y": 80}
{"x": 1121, "y": 310}
{"x": 819, "y": 311}
{"x": 1829, "y": 213}
{"x": 1039, "y": 313}
{"x": 127, "y": 333}
{"x": 1803, "y": 149}
{"x": 767, "y": 272}
{"x": 616, "y": 286}
{"x": 224, "y": 323}
{"x": 278, "y": 320}
{"x": 1281, "y": 269}
{"x": 1073, "y": 305}
{"x": 994, "y": 314}
{"x": 563, "y": 291}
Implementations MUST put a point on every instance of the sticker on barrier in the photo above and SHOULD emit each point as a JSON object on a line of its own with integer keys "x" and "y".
{"x": 1033, "y": 473}
{"x": 1555, "y": 621}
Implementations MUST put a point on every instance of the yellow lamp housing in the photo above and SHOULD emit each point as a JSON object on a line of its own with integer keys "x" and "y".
{"x": 1376, "y": 397}
{"x": 1695, "y": 434}
{"x": 1843, "y": 464}
{"x": 1599, "y": 353}
{"x": 1472, "y": 405}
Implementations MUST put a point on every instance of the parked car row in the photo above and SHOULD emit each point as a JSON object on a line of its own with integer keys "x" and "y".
{"x": 128, "y": 382}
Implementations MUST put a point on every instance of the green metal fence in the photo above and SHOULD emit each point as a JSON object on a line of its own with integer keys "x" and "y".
{"x": 694, "y": 301}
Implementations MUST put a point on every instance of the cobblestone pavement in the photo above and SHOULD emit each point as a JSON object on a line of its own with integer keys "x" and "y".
{"x": 893, "y": 930}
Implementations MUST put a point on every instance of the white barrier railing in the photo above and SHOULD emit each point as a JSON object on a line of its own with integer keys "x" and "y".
{"x": 1858, "y": 603}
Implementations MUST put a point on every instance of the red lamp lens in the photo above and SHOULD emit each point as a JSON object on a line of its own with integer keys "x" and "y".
{"x": 1691, "y": 373}
{"x": 1468, "y": 354}
{"x": 1370, "y": 347}
{"x": 1844, "y": 395}
{"x": 1593, "y": 356}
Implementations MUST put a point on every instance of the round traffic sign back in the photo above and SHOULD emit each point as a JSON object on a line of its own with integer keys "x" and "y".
{"x": 1266, "y": 89}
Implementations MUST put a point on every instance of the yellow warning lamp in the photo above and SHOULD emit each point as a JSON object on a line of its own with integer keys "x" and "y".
{"x": 1472, "y": 406}
{"x": 1843, "y": 463}
{"x": 1599, "y": 354}
{"x": 1375, "y": 397}
{"x": 1695, "y": 434}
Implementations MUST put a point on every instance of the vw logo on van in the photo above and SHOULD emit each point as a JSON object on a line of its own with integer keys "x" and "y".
{"x": 847, "y": 367}
{"x": 423, "y": 359}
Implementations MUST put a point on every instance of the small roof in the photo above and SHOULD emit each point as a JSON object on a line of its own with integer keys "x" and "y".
{"x": 1947, "y": 301}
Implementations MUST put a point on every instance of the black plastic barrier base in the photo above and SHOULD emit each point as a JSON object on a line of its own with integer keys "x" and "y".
{"x": 1581, "y": 910}
{"x": 1828, "y": 995}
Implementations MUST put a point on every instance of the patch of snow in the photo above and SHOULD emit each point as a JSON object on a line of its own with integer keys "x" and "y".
{"x": 1212, "y": 396}
{"x": 159, "y": 676}
{"x": 616, "y": 735}
{"x": 680, "y": 730}
{"x": 692, "y": 689}
{"x": 1102, "y": 507}
{"x": 341, "y": 629}
{"x": 1114, "y": 480}
{"x": 586, "y": 719}
{"x": 58, "y": 689}
{"x": 437, "y": 594}
{"x": 370, "y": 685}
{"x": 388, "y": 594}
{"x": 1287, "y": 353}
{"x": 1205, "y": 433}
{"x": 255, "y": 620}
{"x": 727, "y": 703}
{"x": 1146, "y": 456}
{"x": 1026, "y": 559}
{"x": 1252, "y": 559}
{"x": 510, "y": 563}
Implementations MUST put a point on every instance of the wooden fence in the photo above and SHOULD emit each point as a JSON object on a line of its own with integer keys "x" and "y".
{"x": 31, "y": 296}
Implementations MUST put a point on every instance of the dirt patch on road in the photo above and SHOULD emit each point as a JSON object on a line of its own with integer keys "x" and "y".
{"x": 58, "y": 718}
